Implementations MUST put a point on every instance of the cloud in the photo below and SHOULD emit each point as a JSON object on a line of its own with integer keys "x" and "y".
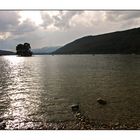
{"x": 12, "y": 31}
{"x": 61, "y": 27}
{"x": 8, "y": 21}
{"x": 10, "y": 24}
{"x": 123, "y": 19}
{"x": 34, "y": 37}
{"x": 25, "y": 27}
{"x": 121, "y": 15}
{"x": 47, "y": 20}
{"x": 61, "y": 20}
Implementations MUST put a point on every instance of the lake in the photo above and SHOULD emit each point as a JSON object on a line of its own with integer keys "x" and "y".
{"x": 43, "y": 88}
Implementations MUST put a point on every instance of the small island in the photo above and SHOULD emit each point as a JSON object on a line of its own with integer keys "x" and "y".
{"x": 24, "y": 49}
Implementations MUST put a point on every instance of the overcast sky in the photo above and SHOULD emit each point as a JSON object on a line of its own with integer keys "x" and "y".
{"x": 56, "y": 28}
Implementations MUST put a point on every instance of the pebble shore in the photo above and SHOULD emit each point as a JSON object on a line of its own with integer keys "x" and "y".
{"x": 80, "y": 122}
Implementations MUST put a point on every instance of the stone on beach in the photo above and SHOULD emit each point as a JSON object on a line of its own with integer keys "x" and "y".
{"x": 101, "y": 101}
{"x": 1, "y": 119}
{"x": 75, "y": 107}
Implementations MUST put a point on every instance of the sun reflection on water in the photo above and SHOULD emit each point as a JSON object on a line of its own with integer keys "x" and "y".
{"x": 14, "y": 59}
{"x": 17, "y": 91}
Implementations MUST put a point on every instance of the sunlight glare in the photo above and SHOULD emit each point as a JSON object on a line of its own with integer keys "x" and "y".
{"x": 14, "y": 59}
{"x": 32, "y": 15}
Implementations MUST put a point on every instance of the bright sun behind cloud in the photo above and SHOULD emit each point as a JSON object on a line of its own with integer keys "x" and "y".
{"x": 32, "y": 15}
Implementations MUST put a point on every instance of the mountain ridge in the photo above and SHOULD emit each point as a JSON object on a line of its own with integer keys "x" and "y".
{"x": 118, "y": 42}
{"x": 4, "y": 52}
{"x": 45, "y": 50}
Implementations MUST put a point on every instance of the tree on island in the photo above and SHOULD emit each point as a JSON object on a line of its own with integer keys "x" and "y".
{"x": 24, "y": 49}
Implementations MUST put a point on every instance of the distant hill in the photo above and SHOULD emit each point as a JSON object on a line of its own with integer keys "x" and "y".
{"x": 3, "y": 52}
{"x": 121, "y": 42}
{"x": 44, "y": 50}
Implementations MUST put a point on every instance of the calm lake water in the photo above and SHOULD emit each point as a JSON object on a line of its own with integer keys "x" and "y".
{"x": 43, "y": 88}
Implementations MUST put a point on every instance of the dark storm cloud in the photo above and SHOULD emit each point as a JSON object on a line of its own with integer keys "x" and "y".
{"x": 8, "y": 21}
{"x": 12, "y": 31}
{"x": 121, "y": 15}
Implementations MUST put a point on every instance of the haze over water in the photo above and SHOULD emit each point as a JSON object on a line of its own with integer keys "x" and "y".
{"x": 43, "y": 88}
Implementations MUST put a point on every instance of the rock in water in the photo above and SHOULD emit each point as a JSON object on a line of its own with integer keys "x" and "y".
{"x": 101, "y": 101}
{"x": 2, "y": 125}
{"x": 1, "y": 120}
{"x": 75, "y": 107}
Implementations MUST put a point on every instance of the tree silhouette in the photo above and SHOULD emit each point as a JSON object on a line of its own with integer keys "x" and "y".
{"x": 24, "y": 49}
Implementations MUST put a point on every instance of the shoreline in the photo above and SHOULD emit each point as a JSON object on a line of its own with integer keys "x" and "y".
{"x": 80, "y": 122}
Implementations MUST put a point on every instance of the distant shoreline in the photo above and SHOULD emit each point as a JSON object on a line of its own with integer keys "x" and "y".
{"x": 76, "y": 54}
